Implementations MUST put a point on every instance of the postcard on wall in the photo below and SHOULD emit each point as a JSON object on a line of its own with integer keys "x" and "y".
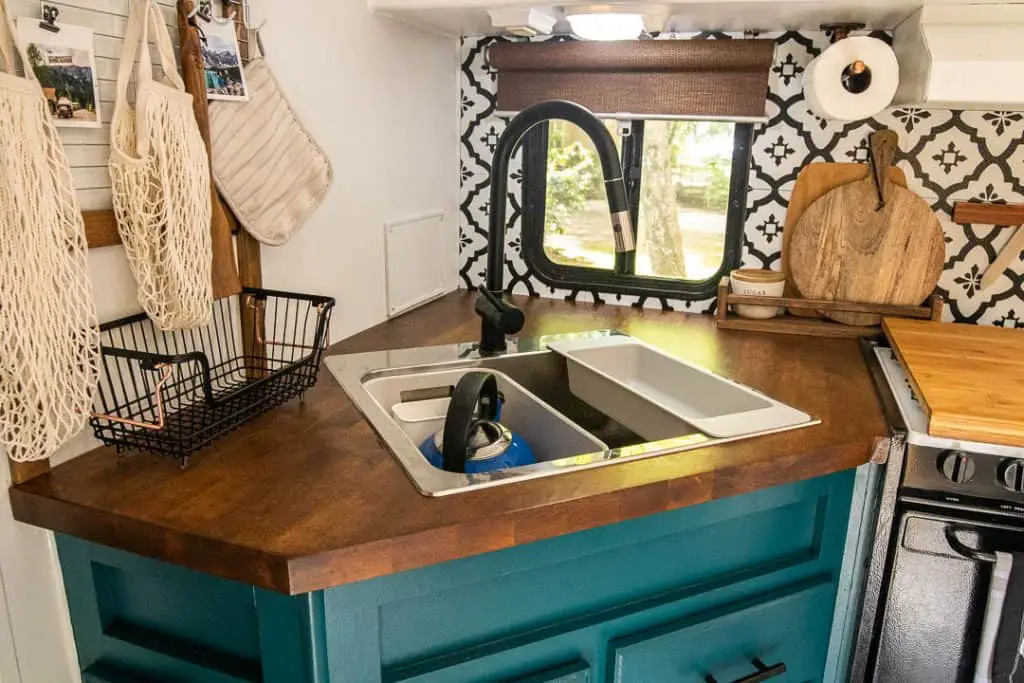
{"x": 225, "y": 78}
{"x": 65, "y": 64}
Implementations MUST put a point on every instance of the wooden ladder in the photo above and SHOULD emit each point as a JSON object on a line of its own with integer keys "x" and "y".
{"x": 101, "y": 226}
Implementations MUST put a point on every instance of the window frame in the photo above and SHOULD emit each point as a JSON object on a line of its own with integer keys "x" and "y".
{"x": 617, "y": 281}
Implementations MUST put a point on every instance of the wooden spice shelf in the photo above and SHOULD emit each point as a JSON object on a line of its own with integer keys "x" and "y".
{"x": 813, "y": 327}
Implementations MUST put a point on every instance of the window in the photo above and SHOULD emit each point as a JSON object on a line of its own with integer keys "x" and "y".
{"x": 686, "y": 182}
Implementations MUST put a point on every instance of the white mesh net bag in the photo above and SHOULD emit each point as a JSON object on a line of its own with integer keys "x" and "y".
{"x": 160, "y": 175}
{"x": 49, "y": 342}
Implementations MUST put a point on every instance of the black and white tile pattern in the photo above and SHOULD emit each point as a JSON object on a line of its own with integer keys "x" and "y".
{"x": 948, "y": 156}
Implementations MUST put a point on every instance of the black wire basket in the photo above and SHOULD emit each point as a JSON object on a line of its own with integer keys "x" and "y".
{"x": 174, "y": 393}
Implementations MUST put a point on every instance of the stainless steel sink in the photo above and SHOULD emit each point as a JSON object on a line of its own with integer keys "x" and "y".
{"x": 376, "y": 381}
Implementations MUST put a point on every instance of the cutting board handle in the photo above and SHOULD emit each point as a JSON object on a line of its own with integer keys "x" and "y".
{"x": 884, "y": 144}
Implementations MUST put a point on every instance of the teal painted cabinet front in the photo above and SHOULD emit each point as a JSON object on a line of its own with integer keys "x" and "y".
{"x": 724, "y": 589}
{"x": 763, "y": 634}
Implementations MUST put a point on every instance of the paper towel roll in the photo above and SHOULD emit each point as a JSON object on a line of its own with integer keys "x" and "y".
{"x": 862, "y": 95}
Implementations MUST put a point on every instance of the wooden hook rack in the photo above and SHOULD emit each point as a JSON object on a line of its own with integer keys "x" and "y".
{"x": 988, "y": 214}
{"x": 1005, "y": 215}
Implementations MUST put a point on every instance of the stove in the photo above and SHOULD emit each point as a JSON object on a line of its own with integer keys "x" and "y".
{"x": 968, "y": 474}
{"x": 944, "y": 506}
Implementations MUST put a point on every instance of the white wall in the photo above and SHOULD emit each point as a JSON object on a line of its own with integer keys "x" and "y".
{"x": 381, "y": 98}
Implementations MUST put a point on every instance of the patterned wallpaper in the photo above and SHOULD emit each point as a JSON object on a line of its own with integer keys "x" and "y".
{"x": 948, "y": 156}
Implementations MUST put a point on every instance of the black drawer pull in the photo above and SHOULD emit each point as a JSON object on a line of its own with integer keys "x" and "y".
{"x": 763, "y": 673}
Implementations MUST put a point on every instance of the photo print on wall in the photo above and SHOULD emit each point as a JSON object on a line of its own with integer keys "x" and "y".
{"x": 65, "y": 64}
{"x": 225, "y": 77}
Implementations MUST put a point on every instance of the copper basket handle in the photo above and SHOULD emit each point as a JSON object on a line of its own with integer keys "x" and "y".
{"x": 158, "y": 391}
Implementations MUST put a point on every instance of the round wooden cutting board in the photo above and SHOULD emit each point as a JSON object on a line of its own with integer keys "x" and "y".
{"x": 846, "y": 248}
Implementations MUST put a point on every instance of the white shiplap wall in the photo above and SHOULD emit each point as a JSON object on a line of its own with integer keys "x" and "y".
{"x": 88, "y": 149}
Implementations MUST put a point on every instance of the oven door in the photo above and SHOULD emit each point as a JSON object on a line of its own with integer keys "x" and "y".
{"x": 935, "y": 603}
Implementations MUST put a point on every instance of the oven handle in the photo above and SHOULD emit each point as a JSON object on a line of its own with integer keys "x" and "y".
{"x": 961, "y": 549}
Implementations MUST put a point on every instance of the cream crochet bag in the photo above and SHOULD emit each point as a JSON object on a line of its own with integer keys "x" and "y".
{"x": 160, "y": 176}
{"x": 49, "y": 341}
{"x": 267, "y": 167}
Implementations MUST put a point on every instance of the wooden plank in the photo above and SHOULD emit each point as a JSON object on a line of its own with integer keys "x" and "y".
{"x": 967, "y": 377}
{"x": 225, "y": 269}
{"x": 806, "y": 327}
{"x": 101, "y": 229}
{"x": 722, "y": 302}
{"x": 250, "y": 271}
{"x": 923, "y": 312}
{"x": 988, "y": 214}
{"x": 24, "y": 471}
{"x": 250, "y": 263}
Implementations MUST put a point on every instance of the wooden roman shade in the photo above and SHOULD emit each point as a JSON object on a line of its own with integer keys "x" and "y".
{"x": 699, "y": 78}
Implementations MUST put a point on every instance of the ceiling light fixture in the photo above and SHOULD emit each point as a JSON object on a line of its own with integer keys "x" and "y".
{"x": 616, "y": 21}
{"x": 606, "y": 25}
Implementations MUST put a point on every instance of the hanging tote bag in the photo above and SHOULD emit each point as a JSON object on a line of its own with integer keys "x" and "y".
{"x": 266, "y": 165}
{"x": 49, "y": 341}
{"x": 160, "y": 178}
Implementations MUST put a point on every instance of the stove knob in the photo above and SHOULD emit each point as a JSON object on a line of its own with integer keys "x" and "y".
{"x": 956, "y": 466}
{"x": 1011, "y": 475}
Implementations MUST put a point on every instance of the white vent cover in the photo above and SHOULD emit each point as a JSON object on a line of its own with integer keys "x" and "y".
{"x": 962, "y": 57}
{"x": 416, "y": 259}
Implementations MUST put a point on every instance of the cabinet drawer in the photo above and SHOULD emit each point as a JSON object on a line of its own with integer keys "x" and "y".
{"x": 789, "y": 625}
{"x": 578, "y": 672}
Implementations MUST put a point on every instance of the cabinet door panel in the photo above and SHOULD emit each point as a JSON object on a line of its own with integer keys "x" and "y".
{"x": 578, "y": 672}
{"x": 789, "y": 626}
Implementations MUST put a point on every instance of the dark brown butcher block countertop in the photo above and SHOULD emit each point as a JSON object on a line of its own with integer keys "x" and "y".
{"x": 305, "y": 497}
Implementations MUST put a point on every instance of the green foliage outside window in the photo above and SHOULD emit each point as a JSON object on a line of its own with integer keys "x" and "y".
{"x": 574, "y": 176}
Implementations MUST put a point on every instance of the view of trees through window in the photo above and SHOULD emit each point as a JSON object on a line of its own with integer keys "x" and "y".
{"x": 684, "y": 199}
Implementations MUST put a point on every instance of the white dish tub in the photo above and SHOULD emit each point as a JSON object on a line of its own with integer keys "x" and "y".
{"x": 657, "y": 395}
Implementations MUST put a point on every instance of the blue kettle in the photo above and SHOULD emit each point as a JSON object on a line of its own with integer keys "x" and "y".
{"x": 472, "y": 442}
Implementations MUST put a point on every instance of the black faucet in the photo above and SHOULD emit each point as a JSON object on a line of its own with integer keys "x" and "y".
{"x": 500, "y": 317}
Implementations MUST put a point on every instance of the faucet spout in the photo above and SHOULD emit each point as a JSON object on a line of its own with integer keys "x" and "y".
{"x": 492, "y": 333}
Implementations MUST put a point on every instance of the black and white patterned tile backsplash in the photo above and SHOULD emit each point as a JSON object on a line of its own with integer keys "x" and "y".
{"x": 948, "y": 156}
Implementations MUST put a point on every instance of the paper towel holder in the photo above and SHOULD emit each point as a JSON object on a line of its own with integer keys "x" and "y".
{"x": 857, "y": 75}
{"x": 842, "y": 29}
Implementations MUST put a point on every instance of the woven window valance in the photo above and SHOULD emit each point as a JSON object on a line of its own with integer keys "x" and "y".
{"x": 699, "y": 78}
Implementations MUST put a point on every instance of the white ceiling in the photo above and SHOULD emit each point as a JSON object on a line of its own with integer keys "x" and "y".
{"x": 470, "y": 17}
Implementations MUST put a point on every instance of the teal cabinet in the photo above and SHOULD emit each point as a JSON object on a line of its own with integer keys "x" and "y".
{"x": 673, "y": 597}
{"x": 777, "y": 632}
{"x": 578, "y": 672}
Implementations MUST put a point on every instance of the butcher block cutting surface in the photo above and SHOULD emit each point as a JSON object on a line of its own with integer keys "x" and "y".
{"x": 305, "y": 497}
{"x": 968, "y": 378}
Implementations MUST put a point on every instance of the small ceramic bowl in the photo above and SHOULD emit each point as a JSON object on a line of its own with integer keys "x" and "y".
{"x": 751, "y": 282}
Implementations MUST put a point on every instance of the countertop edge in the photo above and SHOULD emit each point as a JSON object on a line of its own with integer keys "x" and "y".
{"x": 305, "y": 574}
{"x": 228, "y": 561}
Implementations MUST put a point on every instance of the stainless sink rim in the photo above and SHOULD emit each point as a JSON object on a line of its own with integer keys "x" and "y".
{"x": 351, "y": 370}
